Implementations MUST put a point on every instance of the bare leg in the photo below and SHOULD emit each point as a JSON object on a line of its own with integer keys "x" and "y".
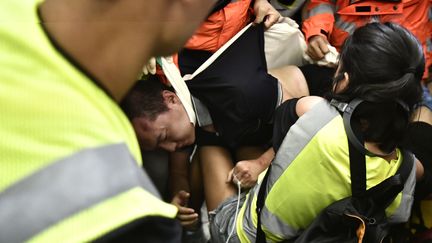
{"x": 216, "y": 163}
{"x": 196, "y": 184}
{"x": 292, "y": 81}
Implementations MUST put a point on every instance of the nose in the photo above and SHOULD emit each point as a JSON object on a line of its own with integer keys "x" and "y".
{"x": 168, "y": 146}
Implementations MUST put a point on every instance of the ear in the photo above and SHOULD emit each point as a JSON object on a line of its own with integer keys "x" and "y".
{"x": 346, "y": 77}
{"x": 343, "y": 83}
{"x": 170, "y": 98}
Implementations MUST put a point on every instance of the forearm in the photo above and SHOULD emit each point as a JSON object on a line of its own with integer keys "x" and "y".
{"x": 179, "y": 172}
{"x": 266, "y": 158}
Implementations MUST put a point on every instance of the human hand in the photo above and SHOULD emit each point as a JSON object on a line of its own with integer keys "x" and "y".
{"x": 317, "y": 47}
{"x": 247, "y": 172}
{"x": 150, "y": 67}
{"x": 264, "y": 11}
{"x": 187, "y": 216}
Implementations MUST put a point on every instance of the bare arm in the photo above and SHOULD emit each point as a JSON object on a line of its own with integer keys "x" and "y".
{"x": 247, "y": 171}
{"x": 179, "y": 172}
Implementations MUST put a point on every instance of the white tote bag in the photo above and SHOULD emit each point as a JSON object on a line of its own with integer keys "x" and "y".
{"x": 284, "y": 44}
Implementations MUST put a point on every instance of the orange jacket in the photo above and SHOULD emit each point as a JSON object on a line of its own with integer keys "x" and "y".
{"x": 219, "y": 27}
{"x": 336, "y": 19}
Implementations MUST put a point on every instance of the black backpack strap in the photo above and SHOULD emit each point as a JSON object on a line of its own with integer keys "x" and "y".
{"x": 385, "y": 192}
{"x": 389, "y": 188}
{"x": 357, "y": 170}
{"x": 260, "y": 236}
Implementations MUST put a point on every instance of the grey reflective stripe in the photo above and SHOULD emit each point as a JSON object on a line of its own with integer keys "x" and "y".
{"x": 277, "y": 226}
{"x": 320, "y": 9}
{"x": 348, "y": 27}
{"x": 305, "y": 128}
{"x": 66, "y": 187}
{"x": 287, "y": 10}
{"x": 298, "y": 136}
{"x": 429, "y": 45}
{"x": 403, "y": 212}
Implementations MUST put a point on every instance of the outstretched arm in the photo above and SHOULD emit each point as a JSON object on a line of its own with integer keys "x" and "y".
{"x": 247, "y": 171}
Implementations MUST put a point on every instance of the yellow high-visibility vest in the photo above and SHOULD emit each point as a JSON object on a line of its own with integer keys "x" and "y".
{"x": 70, "y": 165}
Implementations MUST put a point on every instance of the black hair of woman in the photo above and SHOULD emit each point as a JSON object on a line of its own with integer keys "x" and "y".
{"x": 384, "y": 63}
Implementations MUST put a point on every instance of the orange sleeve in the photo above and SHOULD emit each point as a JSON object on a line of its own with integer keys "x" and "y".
{"x": 320, "y": 18}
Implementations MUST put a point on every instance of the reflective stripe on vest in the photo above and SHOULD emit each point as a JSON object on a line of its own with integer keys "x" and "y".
{"x": 429, "y": 45}
{"x": 368, "y": 8}
{"x": 66, "y": 187}
{"x": 321, "y": 9}
{"x": 308, "y": 151}
{"x": 403, "y": 212}
{"x": 348, "y": 27}
{"x": 308, "y": 129}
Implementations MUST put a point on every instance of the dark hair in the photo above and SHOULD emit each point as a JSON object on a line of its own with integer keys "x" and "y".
{"x": 145, "y": 99}
{"x": 385, "y": 63}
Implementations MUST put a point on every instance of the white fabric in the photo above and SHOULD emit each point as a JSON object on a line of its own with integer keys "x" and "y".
{"x": 284, "y": 44}
{"x": 330, "y": 59}
{"x": 173, "y": 75}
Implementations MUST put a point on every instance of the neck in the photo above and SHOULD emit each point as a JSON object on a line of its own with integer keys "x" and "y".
{"x": 374, "y": 148}
{"x": 107, "y": 38}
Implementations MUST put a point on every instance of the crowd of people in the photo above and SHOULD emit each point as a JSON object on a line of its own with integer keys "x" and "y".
{"x": 78, "y": 117}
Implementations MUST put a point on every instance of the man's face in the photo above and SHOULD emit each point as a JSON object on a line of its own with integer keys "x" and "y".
{"x": 170, "y": 130}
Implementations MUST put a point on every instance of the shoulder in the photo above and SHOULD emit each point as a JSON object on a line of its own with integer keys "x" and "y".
{"x": 305, "y": 104}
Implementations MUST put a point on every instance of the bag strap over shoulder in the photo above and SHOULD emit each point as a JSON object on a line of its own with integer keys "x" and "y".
{"x": 357, "y": 170}
{"x": 385, "y": 192}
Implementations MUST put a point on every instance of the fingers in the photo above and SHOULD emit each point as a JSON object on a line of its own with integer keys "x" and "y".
{"x": 264, "y": 12}
{"x": 259, "y": 18}
{"x": 242, "y": 175}
{"x": 246, "y": 180}
{"x": 151, "y": 65}
{"x": 317, "y": 47}
{"x": 181, "y": 198}
{"x": 230, "y": 176}
{"x": 271, "y": 19}
{"x": 187, "y": 216}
